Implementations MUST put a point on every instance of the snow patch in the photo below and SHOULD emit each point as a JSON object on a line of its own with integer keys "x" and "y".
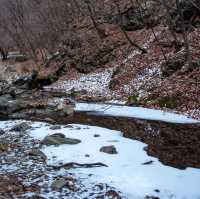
{"x": 125, "y": 170}
{"x": 93, "y": 83}
{"x": 133, "y": 112}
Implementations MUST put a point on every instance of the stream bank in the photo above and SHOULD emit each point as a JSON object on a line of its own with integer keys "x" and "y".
{"x": 154, "y": 137}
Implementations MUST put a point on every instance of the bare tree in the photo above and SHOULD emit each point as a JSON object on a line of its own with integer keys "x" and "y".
{"x": 188, "y": 54}
{"x": 99, "y": 30}
{"x": 132, "y": 43}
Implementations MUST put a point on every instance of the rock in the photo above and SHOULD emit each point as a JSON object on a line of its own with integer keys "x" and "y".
{"x": 58, "y": 139}
{"x": 23, "y": 80}
{"x": 21, "y": 127}
{"x": 109, "y": 149}
{"x": 96, "y": 135}
{"x": 148, "y": 162}
{"x": 151, "y": 197}
{"x": 37, "y": 154}
{"x": 55, "y": 127}
{"x": 5, "y": 98}
{"x": 3, "y": 197}
{"x": 9, "y": 106}
{"x": 36, "y": 197}
{"x": 112, "y": 194}
{"x": 59, "y": 184}
{"x": 2, "y": 132}
{"x": 65, "y": 109}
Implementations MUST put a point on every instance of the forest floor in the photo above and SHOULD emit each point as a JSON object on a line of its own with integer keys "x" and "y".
{"x": 141, "y": 76}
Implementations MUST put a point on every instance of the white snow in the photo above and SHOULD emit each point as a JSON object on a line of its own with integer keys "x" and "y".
{"x": 94, "y": 83}
{"x": 125, "y": 170}
{"x": 147, "y": 79}
{"x": 133, "y": 112}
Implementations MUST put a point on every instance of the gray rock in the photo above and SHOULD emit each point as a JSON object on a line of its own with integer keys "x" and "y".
{"x": 96, "y": 135}
{"x": 68, "y": 110}
{"x": 3, "y": 197}
{"x": 2, "y": 132}
{"x": 59, "y": 184}
{"x": 36, "y": 197}
{"x": 55, "y": 127}
{"x": 5, "y": 98}
{"x": 21, "y": 127}
{"x": 109, "y": 149}
{"x": 37, "y": 154}
{"x": 58, "y": 139}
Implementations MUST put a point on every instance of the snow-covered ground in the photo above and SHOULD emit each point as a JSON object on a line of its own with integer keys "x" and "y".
{"x": 133, "y": 112}
{"x": 95, "y": 83}
{"x": 125, "y": 170}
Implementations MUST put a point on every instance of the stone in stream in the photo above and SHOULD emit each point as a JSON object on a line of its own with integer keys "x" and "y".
{"x": 151, "y": 197}
{"x": 59, "y": 184}
{"x": 96, "y": 135}
{"x": 55, "y": 127}
{"x": 109, "y": 149}
{"x": 58, "y": 139}
{"x": 37, "y": 155}
{"x": 21, "y": 127}
{"x": 36, "y": 197}
{"x": 2, "y": 132}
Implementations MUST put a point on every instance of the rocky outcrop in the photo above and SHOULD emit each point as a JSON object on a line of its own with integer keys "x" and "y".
{"x": 19, "y": 101}
{"x": 19, "y": 108}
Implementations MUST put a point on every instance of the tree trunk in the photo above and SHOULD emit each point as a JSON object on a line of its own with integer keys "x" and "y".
{"x": 4, "y": 54}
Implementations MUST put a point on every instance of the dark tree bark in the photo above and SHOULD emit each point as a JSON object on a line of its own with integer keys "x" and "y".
{"x": 4, "y": 54}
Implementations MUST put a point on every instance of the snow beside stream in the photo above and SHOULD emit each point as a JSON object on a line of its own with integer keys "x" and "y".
{"x": 126, "y": 170}
{"x": 133, "y": 112}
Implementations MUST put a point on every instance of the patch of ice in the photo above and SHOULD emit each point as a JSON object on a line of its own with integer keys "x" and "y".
{"x": 125, "y": 170}
{"x": 116, "y": 102}
{"x": 133, "y": 112}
